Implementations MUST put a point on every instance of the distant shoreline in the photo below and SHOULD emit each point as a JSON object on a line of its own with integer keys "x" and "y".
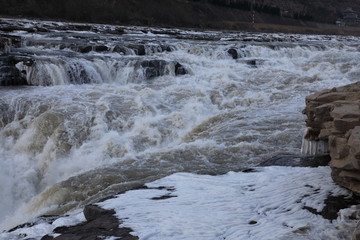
{"x": 169, "y": 14}
{"x": 323, "y": 29}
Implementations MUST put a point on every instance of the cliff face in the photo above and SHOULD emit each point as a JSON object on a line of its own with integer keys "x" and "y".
{"x": 333, "y": 115}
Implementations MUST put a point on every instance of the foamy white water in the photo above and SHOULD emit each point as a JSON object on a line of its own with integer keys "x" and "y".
{"x": 269, "y": 203}
{"x": 97, "y": 121}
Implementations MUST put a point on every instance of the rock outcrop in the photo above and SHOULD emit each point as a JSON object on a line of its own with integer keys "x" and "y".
{"x": 333, "y": 115}
{"x": 100, "y": 224}
{"x": 9, "y": 74}
{"x": 28, "y": 60}
{"x": 156, "y": 68}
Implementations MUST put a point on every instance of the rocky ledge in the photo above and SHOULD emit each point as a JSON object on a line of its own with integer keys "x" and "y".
{"x": 99, "y": 224}
{"x": 333, "y": 115}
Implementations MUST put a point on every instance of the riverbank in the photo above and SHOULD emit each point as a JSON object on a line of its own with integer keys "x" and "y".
{"x": 178, "y": 14}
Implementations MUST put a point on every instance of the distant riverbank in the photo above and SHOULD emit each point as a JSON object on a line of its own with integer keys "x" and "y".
{"x": 162, "y": 13}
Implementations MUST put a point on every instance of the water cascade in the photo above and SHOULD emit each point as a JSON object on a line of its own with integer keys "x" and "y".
{"x": 89, "y": 113}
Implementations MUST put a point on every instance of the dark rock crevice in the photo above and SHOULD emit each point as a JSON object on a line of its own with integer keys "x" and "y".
{"x": 333, "y": 204}
{"x": 156, "y": 68}
{"x": 9, "y": 74}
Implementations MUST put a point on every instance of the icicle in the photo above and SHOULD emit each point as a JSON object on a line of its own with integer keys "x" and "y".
{"x": 313, "y": 147}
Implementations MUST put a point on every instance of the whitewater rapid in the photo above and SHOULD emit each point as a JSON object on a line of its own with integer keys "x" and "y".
{"x": 146, "y": 103}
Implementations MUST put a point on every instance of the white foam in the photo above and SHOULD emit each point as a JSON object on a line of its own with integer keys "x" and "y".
{"x": 268, "y": 204}
{"x": 41, "y": 228}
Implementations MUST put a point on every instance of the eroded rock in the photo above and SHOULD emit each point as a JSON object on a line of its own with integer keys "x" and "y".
{"x": 333, "y": 115}
{"x": 156, "y": 68}
{"x": 9, "y": 74}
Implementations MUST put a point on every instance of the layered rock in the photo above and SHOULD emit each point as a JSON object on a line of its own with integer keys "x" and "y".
{"x": 9, "y": 74}
{"x": 72, "y": 53}
{"x": 333, "y": 115}
{"x": 156, "y": 68}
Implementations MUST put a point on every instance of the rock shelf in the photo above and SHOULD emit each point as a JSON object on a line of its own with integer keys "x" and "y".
{"x": 333, "y": 115}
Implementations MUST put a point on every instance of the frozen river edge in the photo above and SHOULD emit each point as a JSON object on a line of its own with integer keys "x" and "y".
{"x": 101, "y": 220}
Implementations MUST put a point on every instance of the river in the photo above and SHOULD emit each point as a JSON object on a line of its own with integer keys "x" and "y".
{"x": 108, "y": 108}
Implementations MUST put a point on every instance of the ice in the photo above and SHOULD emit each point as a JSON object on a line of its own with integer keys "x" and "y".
{"x": 267, "y": 204}
{"x": 264, "y": 204}
{"x": 40, "y": 228}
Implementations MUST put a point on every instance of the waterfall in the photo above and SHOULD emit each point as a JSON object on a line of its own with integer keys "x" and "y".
{"x": 87, "y": 114}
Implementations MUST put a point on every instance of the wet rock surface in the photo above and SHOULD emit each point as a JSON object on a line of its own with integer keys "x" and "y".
{"x": 56, "y": 46}
{"x": 233, "y": 53}
{"x": 296, "y": 161}
{"x": 333, "y": 205}
{"x": 37, "y": 52}
{"x": 100, "y": 224}
{"x": 9, "y": 74}
{"x": 156, "y": 68}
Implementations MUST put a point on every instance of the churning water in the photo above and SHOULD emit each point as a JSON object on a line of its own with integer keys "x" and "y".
{"x": 106, "y": 111}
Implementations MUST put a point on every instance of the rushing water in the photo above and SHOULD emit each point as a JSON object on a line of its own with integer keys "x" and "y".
{"x": 99, "y": 120}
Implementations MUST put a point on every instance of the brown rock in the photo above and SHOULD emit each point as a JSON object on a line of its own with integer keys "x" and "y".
{"x": 344, "y": 125}
{"x": 354, "y": 143}
{"x": 338, "y": 148}
{"x": 345, "y": 109}
{"x": 339, "y": 176}
{"x": 334, "y": 115}
{"x": 341, "y": 164}
{"x": 350, "y": 174}
{"x": 326, "y": 130}
{"x": 331, "y": 96}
